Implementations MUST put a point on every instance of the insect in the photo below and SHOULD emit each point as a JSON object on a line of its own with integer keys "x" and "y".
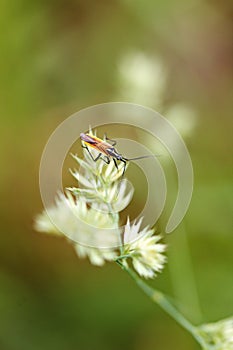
{"x": 107, "y": 151}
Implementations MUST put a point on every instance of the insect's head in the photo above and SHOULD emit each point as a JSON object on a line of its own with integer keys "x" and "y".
{"x": 87, "y": 138}
{"x": 119, "y": 157}
{"x": 113, "y": 153}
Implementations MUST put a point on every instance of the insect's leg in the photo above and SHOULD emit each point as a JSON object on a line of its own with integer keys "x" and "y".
{"x": 94, "y": 159}
{"x": 97, "y": 158}
{"x": 124, "y": 161}
{"x": 113, "y": 141}
{"x": 115, "y": 162}
{"x": 106, "y": 159}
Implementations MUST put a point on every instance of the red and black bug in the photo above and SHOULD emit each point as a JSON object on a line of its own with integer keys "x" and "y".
{"x": 107, "y": 151}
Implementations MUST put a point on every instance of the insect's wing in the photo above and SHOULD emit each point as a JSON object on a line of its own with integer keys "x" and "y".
{"x": 102, "y": 147}
{"x": 88, "y": 139}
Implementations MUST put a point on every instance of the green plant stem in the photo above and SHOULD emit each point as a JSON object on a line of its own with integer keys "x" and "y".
{"x": 163, "y": 301}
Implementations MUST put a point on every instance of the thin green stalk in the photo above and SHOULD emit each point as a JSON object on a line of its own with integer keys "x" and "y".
{"x": 122, "y": 257}
{"x": 163, "y": 301}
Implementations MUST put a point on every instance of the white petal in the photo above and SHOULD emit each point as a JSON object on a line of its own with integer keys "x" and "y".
{"x": 83, "y": 180}
{"x": 109, "y": 169}
{"x": 142, "y": 269}
{"x": 124, "y": 202}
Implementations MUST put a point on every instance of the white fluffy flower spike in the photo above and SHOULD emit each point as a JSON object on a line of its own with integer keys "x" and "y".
{"x": 88, "y": 215}
{"x": 144, "y": 250}
{"x": 101, "y": 184}
{"x": 63, "y": 213}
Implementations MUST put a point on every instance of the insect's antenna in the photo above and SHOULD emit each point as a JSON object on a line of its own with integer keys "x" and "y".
{"x": 151, "y": 156}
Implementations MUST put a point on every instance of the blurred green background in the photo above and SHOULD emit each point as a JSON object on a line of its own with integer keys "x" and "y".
{"x": 58, "y": 57}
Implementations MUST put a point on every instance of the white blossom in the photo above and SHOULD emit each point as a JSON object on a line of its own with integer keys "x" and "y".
{"x": 93, "y": 230}
{"x": 219, "y": 335}
{"x": 142, "y": 78}
{"x": 144, "y": 249}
